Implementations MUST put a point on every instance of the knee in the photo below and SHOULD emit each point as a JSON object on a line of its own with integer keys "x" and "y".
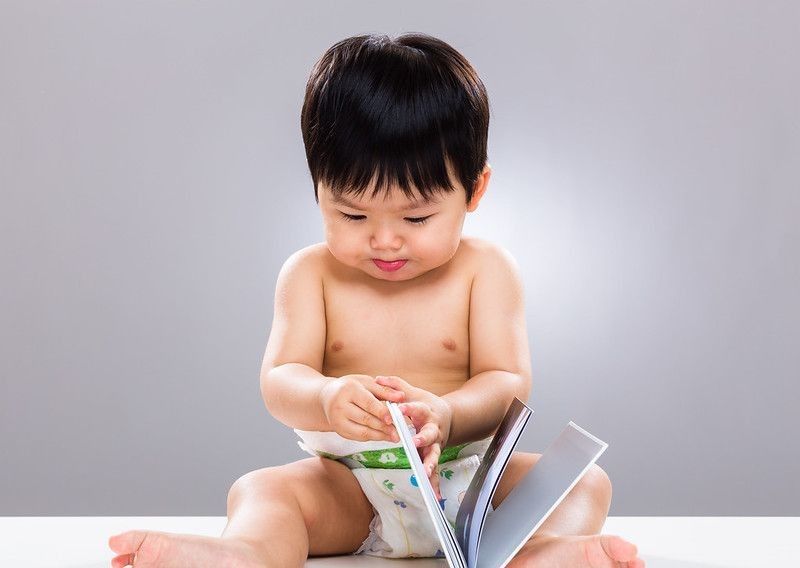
{"x": 255, "y": 483}
{"x": 597, "y": 483}
{"x": 241, "y": 486}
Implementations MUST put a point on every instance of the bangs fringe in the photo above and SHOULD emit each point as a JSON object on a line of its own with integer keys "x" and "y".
{"x": 422, "y": 171}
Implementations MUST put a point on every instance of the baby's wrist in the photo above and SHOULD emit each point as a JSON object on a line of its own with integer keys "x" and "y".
{"x": 322, "y": 402}
{"x": 445, "y": 411}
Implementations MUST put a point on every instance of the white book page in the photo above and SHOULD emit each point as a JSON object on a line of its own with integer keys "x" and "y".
{"x": 535, "y": 496}
{"x": 444, "y": 531}
{"x": 472, "y": 513}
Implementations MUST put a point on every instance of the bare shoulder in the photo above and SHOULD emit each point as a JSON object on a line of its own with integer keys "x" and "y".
{"x": 310, "y": 253}
{"x": 301, "y": 274}
{"x": 486, "y": 257}
{"x": 308, "y": 260}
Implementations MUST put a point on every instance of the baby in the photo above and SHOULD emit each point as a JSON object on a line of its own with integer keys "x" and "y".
{"x": 396, "y": 305}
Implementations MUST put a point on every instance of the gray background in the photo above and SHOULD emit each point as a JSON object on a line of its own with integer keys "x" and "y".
{"x": 153, "y": 180}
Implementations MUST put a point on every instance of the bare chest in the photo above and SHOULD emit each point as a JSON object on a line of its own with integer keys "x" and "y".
{"x": 420, "y": 334}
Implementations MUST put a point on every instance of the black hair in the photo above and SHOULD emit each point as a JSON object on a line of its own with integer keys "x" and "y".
{"x": 394, "y": 112}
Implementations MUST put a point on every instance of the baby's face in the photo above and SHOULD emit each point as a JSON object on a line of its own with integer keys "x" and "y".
{"x": 393, "y": 237}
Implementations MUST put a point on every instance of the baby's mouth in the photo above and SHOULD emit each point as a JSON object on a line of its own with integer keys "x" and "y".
{"x": 389, "y": 265}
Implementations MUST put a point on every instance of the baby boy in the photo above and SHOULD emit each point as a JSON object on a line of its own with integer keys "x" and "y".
{"x": 396, "y": 305}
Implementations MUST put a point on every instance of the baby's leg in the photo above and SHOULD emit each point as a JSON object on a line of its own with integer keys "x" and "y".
{"x": 313, "y": 507}
{"x": 569, "y": 537}
{"x": 277, "y": 516}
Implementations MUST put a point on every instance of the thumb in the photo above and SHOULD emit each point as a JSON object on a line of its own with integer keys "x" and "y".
{"x": 394, "y": 382}
{"x": 418, "y": 413}
{"x": 386, "y": 392}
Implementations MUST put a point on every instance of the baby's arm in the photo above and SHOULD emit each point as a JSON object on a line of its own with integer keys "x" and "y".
{"x": 499, "y": 357}
{"x": 293, "y": 387}
{"x": 290, "y": 377}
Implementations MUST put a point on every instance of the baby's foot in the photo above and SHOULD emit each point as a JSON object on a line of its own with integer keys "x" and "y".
{"x": 165, "y": 550}
{"x": 596, "y": 551}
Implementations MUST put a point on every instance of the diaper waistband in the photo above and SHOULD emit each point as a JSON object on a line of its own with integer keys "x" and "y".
{"x": 377, "y": 455}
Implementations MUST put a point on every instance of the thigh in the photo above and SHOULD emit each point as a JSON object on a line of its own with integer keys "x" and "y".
{"x": 518, "y": 465}
{"x": 334, "y": 508}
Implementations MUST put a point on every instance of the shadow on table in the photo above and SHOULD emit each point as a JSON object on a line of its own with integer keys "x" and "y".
{"x": 345, "y": 561}
{"x": 661, "y": 562}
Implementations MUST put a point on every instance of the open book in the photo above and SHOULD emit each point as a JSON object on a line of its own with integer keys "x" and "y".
{"x": 482, "y": 540}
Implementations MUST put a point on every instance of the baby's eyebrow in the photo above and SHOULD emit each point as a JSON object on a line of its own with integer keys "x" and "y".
{"x": 342, "y": 200}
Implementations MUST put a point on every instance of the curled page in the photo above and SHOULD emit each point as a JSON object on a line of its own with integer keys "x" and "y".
{"x": 472, "y": 512}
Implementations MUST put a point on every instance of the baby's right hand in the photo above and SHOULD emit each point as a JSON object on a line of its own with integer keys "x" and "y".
{"x": 354, "y": 410}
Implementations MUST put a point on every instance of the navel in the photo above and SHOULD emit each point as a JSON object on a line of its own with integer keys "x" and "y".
{"x": 337, "y": 345}
{"x": 449, "y": 344}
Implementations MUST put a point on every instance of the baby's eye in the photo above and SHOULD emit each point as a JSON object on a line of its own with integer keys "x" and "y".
{"x": 353, "y": 217}
{"x": 418, "y": 220}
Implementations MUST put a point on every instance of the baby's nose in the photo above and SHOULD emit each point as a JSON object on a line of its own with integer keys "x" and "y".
{"x": 386, "y": 238}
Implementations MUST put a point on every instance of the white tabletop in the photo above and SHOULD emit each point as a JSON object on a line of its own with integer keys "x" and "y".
{"x": 664, "y": 542}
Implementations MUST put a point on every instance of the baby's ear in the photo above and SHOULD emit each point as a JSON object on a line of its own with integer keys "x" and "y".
{"x": 481, "y": 185}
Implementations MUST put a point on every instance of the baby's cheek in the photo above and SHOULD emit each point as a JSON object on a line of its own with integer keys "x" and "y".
{"x": 342, "y": 248}
{"x": 441, "y": 249}
{"x": 431, "y": 244}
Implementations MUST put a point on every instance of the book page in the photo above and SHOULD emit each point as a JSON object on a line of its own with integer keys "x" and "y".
{"x": 452, "y": 552}
{"x": 472, "y": 512}
{"x": 535, "y": 496}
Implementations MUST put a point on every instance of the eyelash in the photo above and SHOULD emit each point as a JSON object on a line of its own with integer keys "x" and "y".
{"x": 414, "y": 220}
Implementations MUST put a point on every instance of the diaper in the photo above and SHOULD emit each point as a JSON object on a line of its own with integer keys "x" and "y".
{"x": 401, "y": 526}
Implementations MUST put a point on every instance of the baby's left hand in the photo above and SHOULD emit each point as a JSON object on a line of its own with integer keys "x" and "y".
{"x": 431, "y": 416}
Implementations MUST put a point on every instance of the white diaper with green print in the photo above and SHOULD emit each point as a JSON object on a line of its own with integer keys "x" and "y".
{"x": 401, "y": 526}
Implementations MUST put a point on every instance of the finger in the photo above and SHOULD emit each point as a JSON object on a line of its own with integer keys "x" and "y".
{"x": 367, "y": 401}
{"x": 427, "y": 435}
{"x": 394, "y": 434}
{"x": 430, "y": 455}
{"x": 384, "y": 390}
{"x": 358, "y": 415}
{"x": 435, "y": 484}
{"x": 361, "y": 416}
{"x": 431, "y": 463}
{"x": 360, "y": 433}
{"x": 418, "y": 412}
{"x": 408, "y": 425}
{"x": 393, "y": 381}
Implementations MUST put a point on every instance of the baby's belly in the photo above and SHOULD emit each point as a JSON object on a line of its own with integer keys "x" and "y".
{"x": 438, "y": 382}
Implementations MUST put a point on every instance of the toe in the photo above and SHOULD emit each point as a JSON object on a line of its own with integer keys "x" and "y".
{"x": 618, "y": 549}
{"x": 148, "y": 546}
{"x": 121, "y": 561}
{"x": 128, "y": 541}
